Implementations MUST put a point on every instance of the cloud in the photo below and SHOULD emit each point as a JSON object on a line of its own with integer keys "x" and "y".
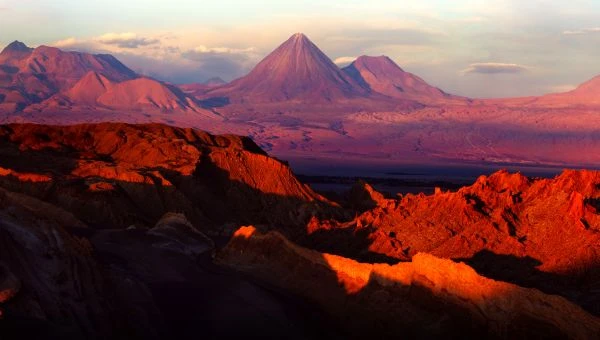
{"x": 74, "y": 44}
{"x": 590, "y": 30}
{"x": 166, "y": 57}
{"x": 495, "y": 68}
{"x": 344, "y": 60}
{"x": 68, "y": 42}
{"x": 224, "y": 62}
{"x": 202, "y": 52}
{"x": 126, "y": 40}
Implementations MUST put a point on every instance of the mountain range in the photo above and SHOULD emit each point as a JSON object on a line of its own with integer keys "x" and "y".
{"x": 46, "y": 78}
{"x": 297, "y": 104}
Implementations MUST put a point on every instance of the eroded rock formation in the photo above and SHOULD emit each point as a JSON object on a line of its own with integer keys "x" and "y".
{"x": 118, "y": 175}
{"x": 427, "y": 297}
{"x": 542, "y": 233}
{"x": 111, "y": 229}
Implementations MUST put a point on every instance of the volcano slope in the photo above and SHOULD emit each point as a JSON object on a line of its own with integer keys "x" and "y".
{"x": 109, "y": 230}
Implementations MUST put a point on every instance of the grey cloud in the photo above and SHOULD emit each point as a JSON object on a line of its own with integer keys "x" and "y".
{"x": 126, "y": 40}
{"x": 191, "y": 71}
{"x": 495, "y": 68}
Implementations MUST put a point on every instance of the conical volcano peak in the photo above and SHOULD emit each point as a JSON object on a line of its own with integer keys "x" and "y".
{"x": 296, "y": 70}
{"x": 299, "y": 40}
{"x": 299, "y": 36}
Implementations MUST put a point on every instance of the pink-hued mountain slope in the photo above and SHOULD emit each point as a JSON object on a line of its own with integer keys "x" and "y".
{"x": 60, "y": 80}
{"x": 94, "y": 90}
{"x": 31, "y": 75}
{"x": 89, "y": 88}
{"x": 382, "y": 75}
{"x": 586, "y": 94}
{"x": 296, "y": 71}
{"x": 145, "y": 92}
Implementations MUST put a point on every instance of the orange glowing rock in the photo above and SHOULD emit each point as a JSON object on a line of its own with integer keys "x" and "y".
{"x": 426, "y": 297}
{"x": 24, "y": 176}
{"x": 115, "y": 174}
{"x": 101, "y": 186}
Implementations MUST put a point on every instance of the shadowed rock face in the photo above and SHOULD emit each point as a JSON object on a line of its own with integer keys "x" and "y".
{"x": 103, "y": 233}
{"x": 425, "y": 298}
{"x": 9, "y": 284}
{"x": 53, "y": 276}
{"x": 61, "y": 279}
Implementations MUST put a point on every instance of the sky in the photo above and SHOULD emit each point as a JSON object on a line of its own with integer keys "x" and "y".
{"x": 475, "y": 48}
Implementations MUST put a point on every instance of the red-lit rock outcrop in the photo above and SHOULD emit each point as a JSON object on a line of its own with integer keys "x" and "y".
{"x": 424, "y": 298}
{"x": 117, "y": 175}
{"x": 541, "y": 233}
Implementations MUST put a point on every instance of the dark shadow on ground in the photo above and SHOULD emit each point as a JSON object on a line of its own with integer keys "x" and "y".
{"x": 580, "y": 288}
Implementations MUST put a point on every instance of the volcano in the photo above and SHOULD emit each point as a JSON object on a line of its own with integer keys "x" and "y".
{"x": 296, "y": 71}
{"x": 382, "y": 75}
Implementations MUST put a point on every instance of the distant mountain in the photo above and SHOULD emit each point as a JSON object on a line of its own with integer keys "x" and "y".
{"x": 382, "y": 75}
{"x": 14, "y": 50}
{"x": 89, "y": 88}
{"x": 296, "y": 71}
{"x": 95, "y": 91}
{"x": 214, "y": 81}
{"x": 197, "y": 89}
{"x": 587, "y": 94}
{"x": 53, "y": 79}
{"x": 30, "y": 75}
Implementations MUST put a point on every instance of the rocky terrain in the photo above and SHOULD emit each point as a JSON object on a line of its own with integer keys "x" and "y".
{"x": 109, "y": 229}
{"x": 135, "y": 231}
{"x": 427, "y": 297}
{"x": 506, "y": 226}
